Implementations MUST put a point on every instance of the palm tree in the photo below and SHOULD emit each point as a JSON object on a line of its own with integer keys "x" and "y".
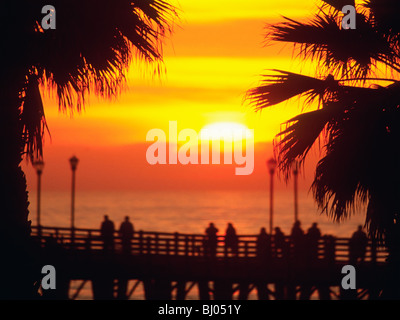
{"x": 89, "y": 52}
{"x": 355, "y": 121}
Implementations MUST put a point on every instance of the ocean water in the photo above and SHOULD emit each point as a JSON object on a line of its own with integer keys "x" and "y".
{"x": 186, "y": 212}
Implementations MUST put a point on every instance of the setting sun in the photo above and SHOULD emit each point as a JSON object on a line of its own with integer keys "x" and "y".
{"x": 225, "y": 131}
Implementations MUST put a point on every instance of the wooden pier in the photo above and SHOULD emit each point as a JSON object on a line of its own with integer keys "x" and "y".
{"x": 170, "y": 265}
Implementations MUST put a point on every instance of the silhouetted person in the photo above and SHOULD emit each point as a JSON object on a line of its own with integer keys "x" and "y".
{"x": 297, "y": 231}
{"x": 231, "y": 239}
{"x": 263, "y": 245}
{"x": 212, "y": 240}
{"x": 297, "y": 239}
{"x": 126, "y": 231}
{"x": 279, "y": 242}
{"x": 358, "y": 245}
{"x": 313, "y": 236}
{"x": 107, "y": 233}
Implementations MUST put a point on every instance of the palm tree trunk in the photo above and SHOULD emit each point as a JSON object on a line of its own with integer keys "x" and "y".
{"x": 16, "y": 248}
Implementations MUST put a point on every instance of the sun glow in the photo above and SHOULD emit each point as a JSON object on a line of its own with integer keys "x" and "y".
{"x": 225, "y": 131}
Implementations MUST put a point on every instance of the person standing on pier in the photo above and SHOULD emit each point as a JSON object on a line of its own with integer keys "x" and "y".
{"x": 126, "y": 231}
{"x": 264, "y": 245}
{"x": 231, "y": 239}
{"x": 358, "y": 246}
{"x": 107, "y": 233}
{"x": 279, "y": 242}
{"x": 313, "y": 237}
{"x": 297, "y": 239}
{"x": 212, "y": 239}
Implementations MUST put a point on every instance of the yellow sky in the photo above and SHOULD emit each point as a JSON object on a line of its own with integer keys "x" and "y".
{"x": 221, "y": 10}
{"x": 214, "y": 56}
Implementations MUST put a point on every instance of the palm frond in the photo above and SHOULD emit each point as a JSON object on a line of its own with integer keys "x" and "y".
{"x": 297, "y": 139}
{"x": 336, "y": 190}
{"x": 360, "y": 165}
{"x": 339, "y": 4}
{"x": 358, "y": 122}
{"x": 344, "y": 53}
{"x": 32, "y": 118}
{"x": 90, "y": 51}
{"x": 93, "y": 45}
{"x": 385, "y": 15}
{"x": 276, "y": 88}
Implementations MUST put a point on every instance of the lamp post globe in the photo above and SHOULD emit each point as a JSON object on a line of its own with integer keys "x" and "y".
{"x": 39, "y": 166}
{"x": 271, "y": 165}
{"x": 74, "y": 162}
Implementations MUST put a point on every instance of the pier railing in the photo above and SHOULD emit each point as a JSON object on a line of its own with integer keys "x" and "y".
{"x": 196, "y": 245}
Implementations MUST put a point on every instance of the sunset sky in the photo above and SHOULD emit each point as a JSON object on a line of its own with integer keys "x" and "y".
{"x": 214, "y": 56}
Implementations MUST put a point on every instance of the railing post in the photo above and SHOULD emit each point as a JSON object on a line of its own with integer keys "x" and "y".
{"x": 148, "y": 245}
{"x": 176, "y": 234}
{"x": 193, "y": 240}
{"x": 329, "y": 249}
{"x": 140, "y": 242}
{"x": 88, "y": 243}
{"x": 132, "y": 243}
{"x": 156, "y": 244}
{"x": 186, "y": 245}
{"x": 72, "y": 239}
{"x": 225, "y": 248}
{"x": 167, "y": 247}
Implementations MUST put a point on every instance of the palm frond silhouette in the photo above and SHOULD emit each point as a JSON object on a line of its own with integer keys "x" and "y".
{"x": 356, "y": 114}
{"x": 88, "y": 53}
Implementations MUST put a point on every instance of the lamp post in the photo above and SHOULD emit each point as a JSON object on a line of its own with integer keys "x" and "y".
{"x": 74, "y": 164}
{"x": 39, "y": 166}
{"x": 295, "y": 170}
{"x": 271, "y": 165}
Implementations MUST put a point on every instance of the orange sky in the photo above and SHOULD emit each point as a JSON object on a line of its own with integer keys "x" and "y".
{"x": 215, "y": 55}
